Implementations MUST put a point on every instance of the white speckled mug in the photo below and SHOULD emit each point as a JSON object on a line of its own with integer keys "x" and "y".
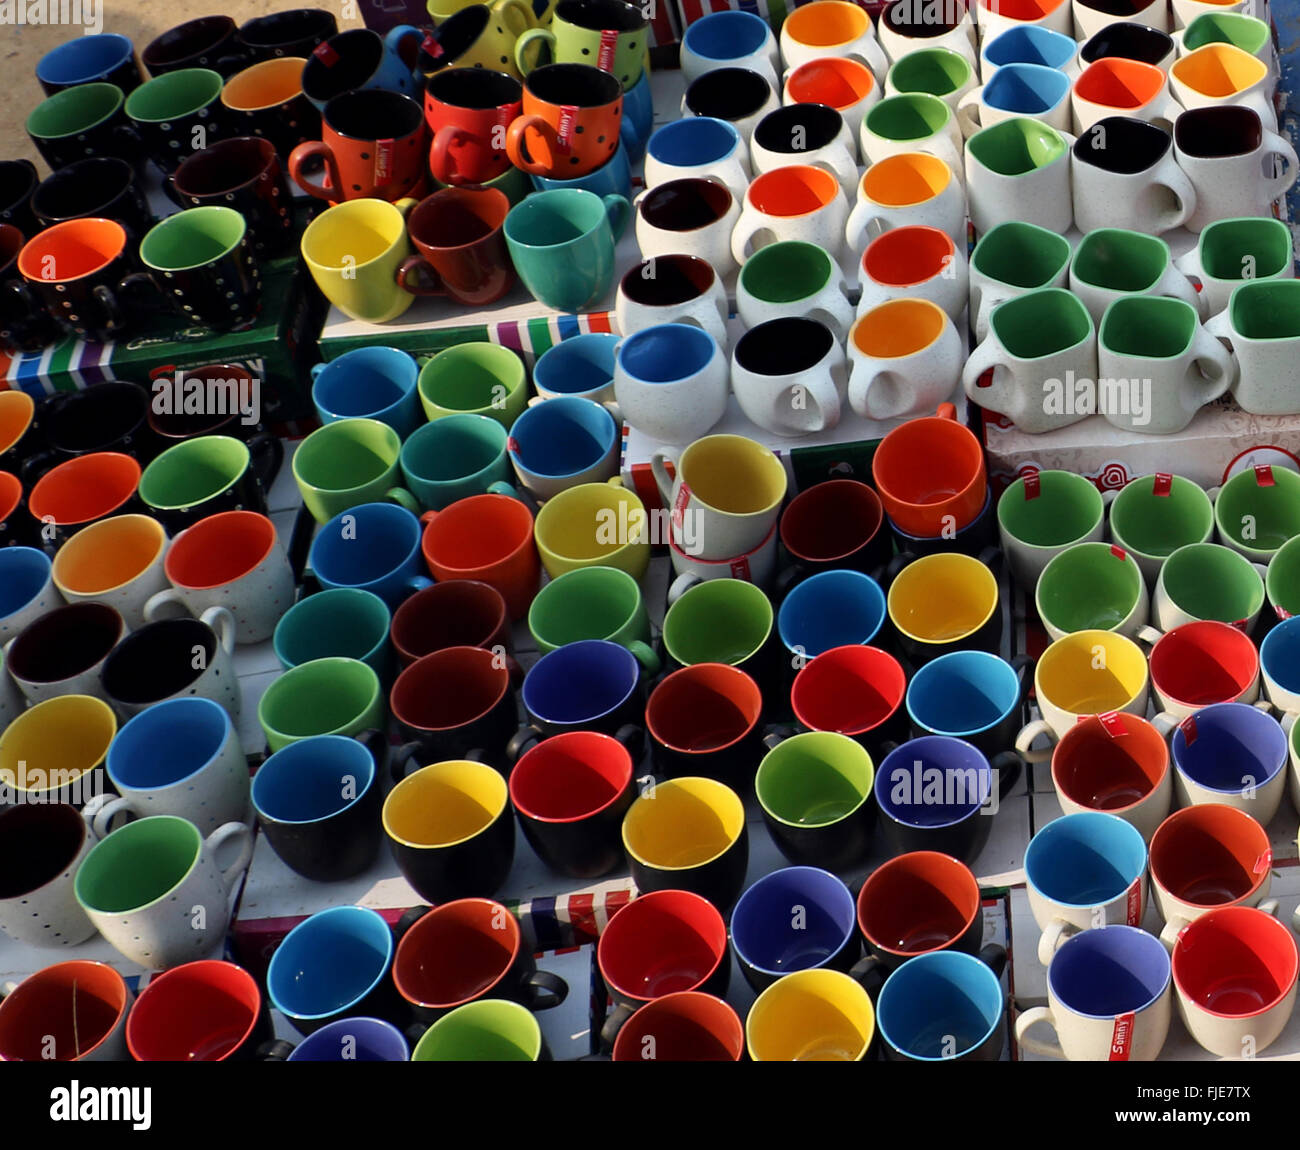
{"x": 42, "y": 845}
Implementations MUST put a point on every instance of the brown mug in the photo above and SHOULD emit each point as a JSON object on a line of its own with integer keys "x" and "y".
{"x": 457, "y": 232}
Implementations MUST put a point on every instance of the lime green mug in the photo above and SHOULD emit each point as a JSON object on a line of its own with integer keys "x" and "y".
{"x": 349, "y": 462}
{"x": 593, "y": 603}
{"x": 481, "y": 378}
{"x": 611, "y": 34}
{"x": 332, "y": 696}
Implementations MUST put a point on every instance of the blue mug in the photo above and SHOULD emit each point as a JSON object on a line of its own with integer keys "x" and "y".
{"x": 638, "y": 117}
{"x": 457, "y": 456}
{"x": 940, "y": 1007}
{"x": 1020, "y": 90}
{"x": 348, "y": 1040}
{"x": 27, "y": 589}
{"x": 361, "y": 58}
{"x": 972, "y": 695}
{"x": 369, "y": 383}
{"x": 831, "y": 609}
{"x": 107, "y": 57}
{"x": 1231, "y": 753}
{"x": 563, "y": 442}
{"x": 796, "y": 918}
{"x": 1082, "y": 871}
{"x": 613, "y": 177}
{"x": 580, "y": 365}
{"x": 343, "y": 622}
{"x": 373, "y": 546}
{"x": 335, "y": 964}
{"x": 698, "y": 146}
{"x": 318, "y": 804}
{"x": 1028, "y": 44}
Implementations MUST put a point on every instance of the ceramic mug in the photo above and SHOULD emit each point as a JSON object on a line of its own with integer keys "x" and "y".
{"x": 942, "y": 72}
{"x": 573, "y": 111}
{"x": 740, "y": 96}
{"x": 1111, "y": 87}
{"x": 267, "y": 100}
{"x": 562, "y": 245}
{"x": 1219, "y": 75}
{"x": 947, "y": 490}
{"x": 914, "y": 262}
{"x": 798, "y": 202}
{"x": 793, "y": 279}
{"x": 360, "y": 59}
{"x": 244, "y": 173}
{"x": 46, "y": 845}
{"x": 175, "y": 658}
{"x": 52, "y": 751}
{"x": 670, "y": 289}
{"x": 1112, "y": 264}
{"x": 594, "y": 525}
{"x": 1041, "y": 514}
{"x": 71, "y": 1011}
{"x": 810, "y": 134}
{"x": 905, "y": 359}
{"x": 725, "y": 40}
{"x": 1262, "y": 325}
{"x": 453, "y": 549}
{"x": 1154, "y": 515}
{"x": 1017, "y": 90}
{"x": 1020, "y": 169}
{"x": 1010, "y": 260}
{"x": 118, "y": 561}
{"x": 1201, "y": 663}
{"x": 1208, "y": 581}
{"x": 904, "y": 29}
{"x": 1231, "y": 753}
{"x": 692, "y": 216}
{"x": 1092, "y": 17}
{"x": 1129, "y": 41}
{"x": 468, "y": 111}
{"x": 911, "y": 188}
{"x": 354, "y": 250}
{"x": 608, "y": 33}
{"x": 698, "y": 147}
{"x": 1129, "y": 164}
{"x": 788, "y": 376}
{"x": 479, "y": 378}
{"x": 670, "y": 381}
{"x": 916, "y": 122}
{"x": 562, "y": 443}
{"x": 832, "y": 28}
{"x": 63, "y": 652}
{"x": 1230, "y": 252}
{"x": 1092, "y": 586}
{"x": 95, "y": 57}
{"x": 841, "y": 83}
{"x": 1028, "y": 44}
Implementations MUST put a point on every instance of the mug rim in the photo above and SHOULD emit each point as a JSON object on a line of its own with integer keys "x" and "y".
{"x": 183, "y": 826}
{"x": 100, "y": 527}
{"x": 1216, "y": 810}
{"x": 127, "y": 998}
{"x": 940, "y": 959}
{"x": 337, "y": 741}
{"x": 233, "y": 969}
{"x": 438, "y": 770}
{"x": 445, "y": 909}
{"x": 333, "y": 912}
{"x": 724, "y": 796}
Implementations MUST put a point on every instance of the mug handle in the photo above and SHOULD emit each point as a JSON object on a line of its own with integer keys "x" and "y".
{"x": 1023, "y": 666}
{"x": 409, "y": 281}
{"x": 747, "y": 227}
{"x": 618, "y": 211}
{"x": 869, "y": 974}
{"x": 1276, "y": 145}
{"x": 533, "y": 36}
{"x": 826, "y": 396}
{"x": 1049, "y": 942}
{"x": 516, "y": 144}
{"x": 1149, "y": 635}
{"x": 1177, "y": 286}
{"x": 994, "y": 956}
{"x": 613, "y": 1024}
{"x": 1174, "y": 180}
{"x": 645, "y": 655}
{"x": 276, "y": 1050}
{"x": 544, "y": 990}
{"x": 404, "y": 42}
{"x": 967, "y": 111}
{"x": 314, "y": 149}
{"x": 987, "y": 355}
{"x": 226, "y": 833}
{"x": 1220, "y": 327}
{"x": 222, "y": 621}
{"x": 402, "y": 758}
{"x": 1032, "y": 1017}
{"x": 1028, "y": 734}
{"x": 402, "y": 498}
{"x": 681, "y": 585}
{"x": 1215, "y": 363}
{"x": 1171, "y": 930}
{"x": 100, "y": 811}
{"x": 267, "y": 453}
{"x": 861, "y": 217}
{"x": 440, "y": 155}
{"x": 522, "y": 741}
{"x": 658, "y": 467}
{"x": 110, "y": 303}
{"x": 161, "y": 599}
{"x": 507, "y": 9}
{"x": 304, "y": 527}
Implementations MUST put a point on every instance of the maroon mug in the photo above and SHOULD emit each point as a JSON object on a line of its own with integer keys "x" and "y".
{"x": 457, "y": 232}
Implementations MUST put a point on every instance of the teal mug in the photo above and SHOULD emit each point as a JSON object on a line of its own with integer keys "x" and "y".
{"x": 454, "y": 457}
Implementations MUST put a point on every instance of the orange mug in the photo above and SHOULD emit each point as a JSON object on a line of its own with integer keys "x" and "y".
{"x": 571, "y": 121}
{"x": 488, "y": 538}
{"x": 930, "y": 474}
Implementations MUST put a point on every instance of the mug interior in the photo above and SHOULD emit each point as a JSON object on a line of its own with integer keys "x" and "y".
{"x": 669, "y": 941}
{"x": 158, "y": 660}
{"x": 688, "y": 823}
{"x": 137, "y": 865}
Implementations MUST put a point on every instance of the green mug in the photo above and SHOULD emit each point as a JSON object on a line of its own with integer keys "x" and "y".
{"x": 611, "y": 34}
{"x": 349, "y": 462}
{"x": 1092, "y": 587}
{"x": 1208, "y": 581}
{"x": 1154, "y": 515}
{"x": 332, "y": 696}
{"x": 1282, "y": 583}
{"x": 485, "y": 1030}
{"x": 455, "y": 457}
{"x": 1043, "y": 513}
{"x": 1248, "y": 33}
{"x": 593, "y": 603}
{"x": 1010, "y": 259}
{"x": 937, "y": 71}
{"x": 719, "y": 621}
{"x": 478, "y": 378}
{"x": 1258, "y": 510}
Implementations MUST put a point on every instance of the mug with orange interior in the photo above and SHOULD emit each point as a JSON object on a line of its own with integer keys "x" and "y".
{"x": 1112, "y": 86}
{"x": 930, "y": 474}
{"x": 82, "y": 491}
{"x": 267, "y": 100}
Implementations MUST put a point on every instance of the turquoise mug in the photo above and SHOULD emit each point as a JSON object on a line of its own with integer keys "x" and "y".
{"x": 455, "y": 457}
{"x": 341, "y": 622}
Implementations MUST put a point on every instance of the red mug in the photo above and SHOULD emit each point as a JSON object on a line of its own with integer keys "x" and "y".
{"x": 358, "y": 164}
{"x": 69, "y": 1012}
{"x": 463, "y": 254}
{"x": 206, "y": 1011}
{"x": 1201, "y": 663}
{"x": 856, "y": 691}
{"x": 468, "y": 110}
{"x": 488, "y": 538}
{"x": 684, "y": 1027}
{"x": 459, "y": 613}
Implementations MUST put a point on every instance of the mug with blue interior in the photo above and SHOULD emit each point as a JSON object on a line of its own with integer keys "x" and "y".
{"x": 369, "y": 383}
{"x": 831, "y": 609}
{"x": 1231, "y": 753}
{"x": 580, "y": 365}
{"x": 318, "y": 804}
{"x": 564, "y": 442}
{"x": 1027, "y": 44}
{"x": 106, "y": 57}
{"x": 942, "y": 1006}
{"x": 796, "y": 918}
{"x": 972, "y": 695}
{"x": 374, "y": 546}
{"x": 348, "y": 1040}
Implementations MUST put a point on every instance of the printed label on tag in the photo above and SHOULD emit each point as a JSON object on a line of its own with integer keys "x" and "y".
{"x": 1133, "y": 914}
{"x": 608, "y": 46}
{"x": 512, "y": 445}
{"x": 430, "y": 45}
{"x": 1118, "y": 552}
{"x": 1264, "y": 475}
{"x": 1164, "y": 483}
{"x": 1033, "y": 485}
{"x": 1264, "y": 862}
{"x": 384, "y": 150}
{"x": 1112, "y": 724}
{"x": 1240, "y": 624}
{"x": 1121, "y": 1038}
{"x": 740, "y": 569}
{"x": 564, "y": 128}
{"x": 326, "y": 54}
{"x": 679, "y": 506}
{"x": 1188, "y": 727}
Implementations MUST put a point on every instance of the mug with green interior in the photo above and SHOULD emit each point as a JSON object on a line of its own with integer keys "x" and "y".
{"x": 787, "y": 271}
{"x": 1283, "y": 580}
{"x": 177, "y": 114}
{"x": 1258, "y": 510}
{"x": 486, "y": 1030}
{"x": 1154, "y": 515}
{"x": 936, "y": 71}
{"x": 912, "y": 116}
{"x": 718, "y": 621}
{"x": 86, "y": 120}
{"x": 1092, "y": 587}
{"x": 1040, "y": 515}
{"x": 333, "y": 696}
{"x": 349, "y": 462}
{"x": 1208, "y": 581}
{"x": 1248, "y": 33}
{"x": 1017, "y": 146}
{"x": 593, "y": 603}
{"x": 482, "y": 378}
{"x": 193, "y": 472}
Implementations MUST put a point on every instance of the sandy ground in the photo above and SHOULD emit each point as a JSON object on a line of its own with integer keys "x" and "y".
{"x": 22, "y": 46}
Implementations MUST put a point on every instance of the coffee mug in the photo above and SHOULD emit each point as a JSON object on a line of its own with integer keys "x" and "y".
{"x": 595, "y": 524}
{"x": 481, "y": 378}
{"x": 462, "y": 248}
{"x": 1041, "y": 514}
{"x": 1225, "y": 26}
{"x": 475, "y": 36}
{"x": 1017, "y": 90}
{"x": 458, "y": 613}
{"x": 690, "y": 836}
{"x": 1255, "y": 512}
{"x": 943, "y": 72}
{"x": 570, "y": 123}
{"x": 267, "y": 100}
{"x": 360, "y": 59}
{"x": 1280, "y": 583}
{"x": 855, "y": 691}
{"x": 63, "y": 652}
{"x": 230, "y": 560}
{"x": 682, "y": 1027}
{"x": 798, "y": 202}
{"x": 1114, "y": 87}
{"x": 1223, "y": 75}
{"x": 1200, "y": 663}
{"x": 1038, "y": 346}
{"x": 82, "y": 491}
{"x": 839, "y": 82}
{"x": 809, "y": 134}
{"x": 591, "y": 684}
{"x": 205, "y": 42}
{"x": 1085, "y": 673}
{"x": 703, "y": 720}
{"x": 1028, "y": 44}
{"x": 486, "y": 1031}
{"x": 44, "y": 845}
{"x": 744, "y": 41}
{"x": 1224, "y": 255}
{"x": 86, "y": 120}
{"x": 1084, "y": 871}
{"x": 1223, "y": 149}
{"x": 592, "y": 603}
{"x": 972, "y": 695}
{"x": 915, "y": 122}
{"x": 52, "y": 751}
{"x": 1010, "y": 260}
{"x": 348, "y": 462}
{"x": 355, "y": 162}
{"x": 1111, "y": 264}
{"x": 914, "y": 262}
{"x": 1128, "y": 41}
{"x": 317, "y": 802}
{"x": 670, "y": 382}
{"x": 1231, "y": 753}
{"x": 1117, "y": 763}
{"x": 173, "y": 111}
{"x": 353, "y": 251}
{"x": 562, "y": 443}
{"x": 243, "y": 173}
{"x": 699, "y": 147}
{"x": 792, "y": 279}
{"x": 741, "y": 96}
{"x": 945, "y": 1006}
{"x": 368, "y": 383}
{"x": 583, "y": 364}
{"x": 205, "y": 1011}
{"x": 450, "y": 829}
{"x": 70, "y": 1011}
{"x": 562, "y": 244}
{"x": 906, "y": 359}
{"x": 1204, "y": 857}
{"x": 1208, "y": 581}
{"x": 832, "y": 28}
{"x": 181, "y": 757}
{"x": 903, "y": 29}
{"x": 102, "y": 186}
{"x": 156, "y": 891}
{"x": 97, "y": 57}
{"x": 788, "y": 376}
{"x": 175, "y": 658}
{"x": 1129, "y": 163}
{"x": 1234, "y": 975}
{"x": 1109, "y": 997}
{"x": 833, "y": 524}
{"x": 830, "y": 609}
{"x": 287, "y": 33}
{"x": 453, "y": 546}
{"x": 468, "y": 111}
{"x": 347, "y": 1040}
{"x": 1154, "y": 515}
{"x": 811, "y": 1015}
{"x": 693, "y": 216}
{"x": 334, "y": 964}
{"x": 668, "y": 289}
{"x": 947, "y": 490}
{"x": 757, "y": 565}
{"x": 18, "y": 183}
{"x": 332, "y": 696}
{"x": 1093, "y": 16}
{"x": 454, "y": 457}
{"x": 388, "y": 560}
{"x": 1262, "y": 324}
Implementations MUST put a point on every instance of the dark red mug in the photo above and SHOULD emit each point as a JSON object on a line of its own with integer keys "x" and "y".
{"x": 454, "y": 613}
{"x": 457, "y": 232}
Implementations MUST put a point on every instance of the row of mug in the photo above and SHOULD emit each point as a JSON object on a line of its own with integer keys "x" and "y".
{"x": 1254, "y": 514}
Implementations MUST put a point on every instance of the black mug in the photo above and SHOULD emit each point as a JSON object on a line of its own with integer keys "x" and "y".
{"x": 207, "y": 42}
{"x": 104, "y": 186}
{"x": 296, "y": 32}
{"x": 318, "y": 802}
{"x": 177, "y": 113}
{"x": 239, "y": 414}
{"x": 246, "y": 174}
{"x": 186, "y": 483}
{"x": 88, "y": 120}
{"x": 18, "y": 182}
{"x": 22, "y": 327}
{"x": 108, "y": 416}
{"x": 706, "y": 720}
{"x": 17, "y": 527}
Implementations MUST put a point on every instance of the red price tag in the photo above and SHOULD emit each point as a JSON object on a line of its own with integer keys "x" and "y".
{"x": 1188, "y": 727}
{"x": 679, "y": 506}
{"x": 1164, "y": 483}
{"x": 1112, "y": 724}
{"x": 608, "y": 46}
{"x": 564, "y": 129}
{"x": 1133, "y": 913}
{"x": 384, "y": 150}
{"x": 326, "y": 54}
{"x": 1033, "y": 485}
{"x": 1121, "y": 1038}
{"x": 1118, "y": 552}
{"x": 430, "y": 45}
{"x": 740, "y": 569}
{"x": 1264, "y": 862}
{"x": 1264, "y": 475}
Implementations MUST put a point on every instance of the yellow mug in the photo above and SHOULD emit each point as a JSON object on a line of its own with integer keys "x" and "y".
{"x": 50, "y": 752}
{"x": 1084, "y": 673}
{"x": 594, "y": 525}
{"x": 945, "y": 602}
{"x": 354, "y": 250}
{"x": 118, "y": 561}
{"x": 811, "y": 1016}
{"x": 481, "y": 35}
